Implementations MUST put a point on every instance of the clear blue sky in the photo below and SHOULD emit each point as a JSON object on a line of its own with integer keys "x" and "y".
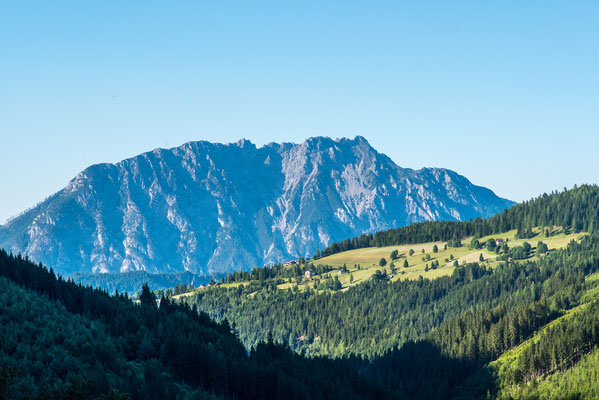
{"x": 506, "y": 93}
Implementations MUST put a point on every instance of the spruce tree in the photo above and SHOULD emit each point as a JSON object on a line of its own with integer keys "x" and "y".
{"x": 146, "y": 296}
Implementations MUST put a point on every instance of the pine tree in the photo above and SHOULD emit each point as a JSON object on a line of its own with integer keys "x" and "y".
{"x": 147, "y": 297}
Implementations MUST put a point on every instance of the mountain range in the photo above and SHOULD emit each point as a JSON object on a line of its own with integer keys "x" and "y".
{"x": 210, "y": 208}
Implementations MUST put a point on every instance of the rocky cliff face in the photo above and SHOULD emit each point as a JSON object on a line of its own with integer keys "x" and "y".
{"x": 211, "y": 208}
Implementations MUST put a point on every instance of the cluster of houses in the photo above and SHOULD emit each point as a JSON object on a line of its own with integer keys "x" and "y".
{"x": 208, "y": 285}
{"x": 308, "y": 273}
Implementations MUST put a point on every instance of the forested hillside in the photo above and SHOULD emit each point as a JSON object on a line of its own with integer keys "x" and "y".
{"x": 64, "y": 341}
{"x": 436, "y": 364}
{"x": 373, "y": 317}
{"x": 484, "y": 334}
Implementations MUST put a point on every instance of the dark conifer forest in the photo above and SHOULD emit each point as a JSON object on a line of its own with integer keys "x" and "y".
{"x": 61, "y": 340}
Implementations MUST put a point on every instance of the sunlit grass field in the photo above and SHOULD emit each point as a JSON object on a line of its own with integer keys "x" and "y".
{"x": 368, "y": 258}
{"x": 363, "y": 263}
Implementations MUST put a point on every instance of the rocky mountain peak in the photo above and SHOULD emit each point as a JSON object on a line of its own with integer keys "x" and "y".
{"x": 209, "y": 208}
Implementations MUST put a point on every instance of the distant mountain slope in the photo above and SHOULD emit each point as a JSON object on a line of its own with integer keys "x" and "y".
{"x": 132, "y": 281}
{"x": 210, "y": 208}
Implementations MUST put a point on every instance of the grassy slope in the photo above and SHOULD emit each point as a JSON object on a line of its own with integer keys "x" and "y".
{"x": 368, "y": 259}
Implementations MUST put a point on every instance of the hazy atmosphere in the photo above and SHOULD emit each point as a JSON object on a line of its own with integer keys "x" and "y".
{"x": 505, "y": 94}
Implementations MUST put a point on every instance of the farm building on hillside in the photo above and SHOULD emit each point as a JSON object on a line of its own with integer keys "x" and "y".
{"x": 288, "y": 263}
{"x": 308, "y": 274}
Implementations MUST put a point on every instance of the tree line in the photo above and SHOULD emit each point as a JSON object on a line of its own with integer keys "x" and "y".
{"x": 574, "y": 209}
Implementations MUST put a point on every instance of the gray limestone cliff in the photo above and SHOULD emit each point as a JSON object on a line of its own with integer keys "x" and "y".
{"x": 211, "y": 208}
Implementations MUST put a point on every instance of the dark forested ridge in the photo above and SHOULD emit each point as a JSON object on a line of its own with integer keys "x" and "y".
{"x": 61, "y": 340}
{"x": 577, "y": 208}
